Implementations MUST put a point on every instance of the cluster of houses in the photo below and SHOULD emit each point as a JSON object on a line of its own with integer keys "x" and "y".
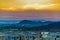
{"x": 29, "y": 35}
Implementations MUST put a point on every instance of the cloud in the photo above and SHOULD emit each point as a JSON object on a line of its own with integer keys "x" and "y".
{"x": 26, "y": 4}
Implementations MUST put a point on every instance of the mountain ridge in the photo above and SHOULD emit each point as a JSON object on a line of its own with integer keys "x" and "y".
{"x": 28, "y": 24}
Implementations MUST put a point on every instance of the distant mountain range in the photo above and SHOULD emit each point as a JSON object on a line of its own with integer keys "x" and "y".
{"x": 43, "y": 25}
{"x": 25, "y": 23}
{"x": 30, "y": 23}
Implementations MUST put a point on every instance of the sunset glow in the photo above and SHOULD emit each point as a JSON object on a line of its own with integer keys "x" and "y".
{"x": 30, "y": 4}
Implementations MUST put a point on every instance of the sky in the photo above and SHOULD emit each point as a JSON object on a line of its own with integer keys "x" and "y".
{"x": 30, "y": 4}
{"x": 31, "y": 14}
{"x": 30, "y": 9}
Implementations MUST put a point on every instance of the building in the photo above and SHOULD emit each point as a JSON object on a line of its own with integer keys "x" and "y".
{"x": 29, "y": 35}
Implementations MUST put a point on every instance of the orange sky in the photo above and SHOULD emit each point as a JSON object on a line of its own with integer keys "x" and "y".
{"x": 30, "y": 4}
{"x": 32, "y": 9}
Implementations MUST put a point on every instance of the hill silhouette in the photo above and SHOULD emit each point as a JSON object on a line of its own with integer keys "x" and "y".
{"x": 26, "y": 22}
{"x": 32, "y": 25}
{"x": 52, "y": 27}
